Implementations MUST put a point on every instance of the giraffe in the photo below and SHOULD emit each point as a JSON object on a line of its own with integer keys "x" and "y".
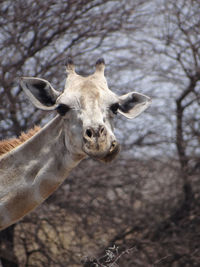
{"x": 35, "y": 165}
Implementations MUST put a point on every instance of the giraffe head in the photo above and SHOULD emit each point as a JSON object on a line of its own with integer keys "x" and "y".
{"x": 87, "y": 107}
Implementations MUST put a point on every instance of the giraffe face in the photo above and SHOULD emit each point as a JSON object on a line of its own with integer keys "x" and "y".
{"x": 87, "y": 107}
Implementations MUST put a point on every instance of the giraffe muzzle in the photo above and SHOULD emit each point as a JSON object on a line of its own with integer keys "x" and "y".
{"x": 98, "y": 144}
{"x": 92, "y": 133}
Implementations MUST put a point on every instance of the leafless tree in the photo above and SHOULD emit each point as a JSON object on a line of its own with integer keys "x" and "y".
{"x": 180, "y": 48}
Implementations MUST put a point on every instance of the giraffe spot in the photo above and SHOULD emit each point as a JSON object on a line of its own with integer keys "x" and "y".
{"x": 47, "y": 187}
{"x": 20, "y": 203}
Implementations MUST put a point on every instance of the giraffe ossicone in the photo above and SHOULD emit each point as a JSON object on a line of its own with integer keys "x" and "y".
{"x": 33, "y": 169}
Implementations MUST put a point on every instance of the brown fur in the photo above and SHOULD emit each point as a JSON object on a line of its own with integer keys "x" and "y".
{"x": 8, "y": 145}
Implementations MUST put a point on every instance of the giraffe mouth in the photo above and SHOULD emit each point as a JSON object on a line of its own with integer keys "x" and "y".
{"x": 107, "y": 156}
{"x": 111, "y": 155}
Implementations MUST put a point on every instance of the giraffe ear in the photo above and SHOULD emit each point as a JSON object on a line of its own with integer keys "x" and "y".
{"x": 40, "y": 92}
{"x": 132, "y": 104}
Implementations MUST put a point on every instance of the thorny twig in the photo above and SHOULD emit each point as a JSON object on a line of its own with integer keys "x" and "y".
{"x": 110, "y": 258}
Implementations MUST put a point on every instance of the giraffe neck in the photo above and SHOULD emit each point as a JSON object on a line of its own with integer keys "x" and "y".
{"x": 33, "y": 171}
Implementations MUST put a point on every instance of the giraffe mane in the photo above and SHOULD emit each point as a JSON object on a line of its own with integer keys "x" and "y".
{"x": 10, "y": 144}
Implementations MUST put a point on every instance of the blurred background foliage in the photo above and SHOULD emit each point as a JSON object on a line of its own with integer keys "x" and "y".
{"x": 143, "y": 209}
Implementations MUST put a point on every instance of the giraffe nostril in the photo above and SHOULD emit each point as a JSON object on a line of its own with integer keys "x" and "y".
{"x": 98, "y": 132}
{"x": 89, "y": 133}
{"x": 113, "y": 145}
{"x": 102, "y": 129}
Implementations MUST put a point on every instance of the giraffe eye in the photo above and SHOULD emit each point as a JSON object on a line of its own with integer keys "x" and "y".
{"x": 114, "y": 108}
{"x": 62, "y": 109}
